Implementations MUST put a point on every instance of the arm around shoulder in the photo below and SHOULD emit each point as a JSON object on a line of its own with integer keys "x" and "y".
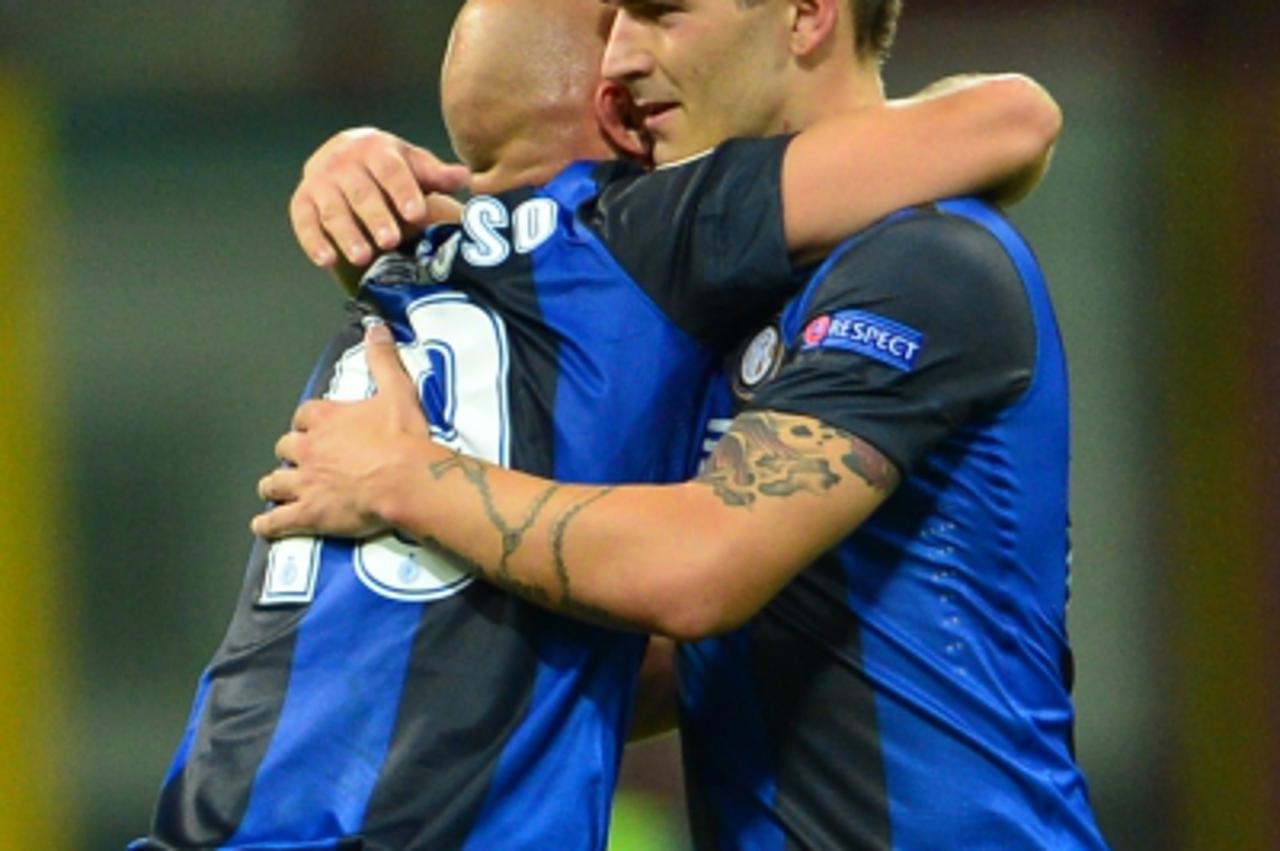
{"x": 965, "y": 135}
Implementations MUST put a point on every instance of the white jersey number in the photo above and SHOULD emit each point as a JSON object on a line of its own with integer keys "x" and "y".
{"x": 458, "y": 360}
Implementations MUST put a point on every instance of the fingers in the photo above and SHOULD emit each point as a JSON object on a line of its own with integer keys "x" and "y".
{"x": 289, "y": 448}
{"x": 395, "y": 174}
{"x": 346, "y": 206}
{"x": 279, "y": 522}
{"x": 279, "y": 486}
{"x": 310, "y": 413}
{"x": 384, "y": 361}
{"x": 363, "y": 191}
{"x": 432, "y": 174}
{"x": 304, "y": 216}
{"x": 361, "y": 211}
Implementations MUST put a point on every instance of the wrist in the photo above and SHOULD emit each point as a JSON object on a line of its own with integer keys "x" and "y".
{"x": 398, "y": 494}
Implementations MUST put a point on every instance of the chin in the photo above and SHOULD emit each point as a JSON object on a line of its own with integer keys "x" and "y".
{"x": 667, "y": 153}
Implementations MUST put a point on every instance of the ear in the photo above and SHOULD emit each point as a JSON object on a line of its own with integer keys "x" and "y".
{"x": 813, "y": 23}
{"x": 620, "y": 122}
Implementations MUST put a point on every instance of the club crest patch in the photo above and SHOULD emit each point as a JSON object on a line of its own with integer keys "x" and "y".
{"x": 759, "y": 361}
{"x": 866, "y": 334}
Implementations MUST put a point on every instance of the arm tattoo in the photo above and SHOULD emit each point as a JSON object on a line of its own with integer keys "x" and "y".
{"x": 568, "y": 602}
{"x": 866, "y": 462}
{"x": 771, "y": 454}
{"x": 476, "y": 473}
{"x": 528, "y": 591}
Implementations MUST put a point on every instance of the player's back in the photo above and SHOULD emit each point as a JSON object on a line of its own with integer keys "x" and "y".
{"x": 370, "y": 694}
{"x": 911, "y": 688}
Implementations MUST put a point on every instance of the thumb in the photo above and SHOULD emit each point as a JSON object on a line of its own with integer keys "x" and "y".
{"x": 384, "y": 360}
{"x": 433, "y": 175}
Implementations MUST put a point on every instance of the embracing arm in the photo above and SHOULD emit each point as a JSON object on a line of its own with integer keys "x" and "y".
{"x": 683, "y": 560}
{"x": 365, "y": 189}
{"x": 977, "y": 134}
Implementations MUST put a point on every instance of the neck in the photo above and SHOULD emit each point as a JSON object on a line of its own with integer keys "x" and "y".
{"x": 521, "y": 163}
{"x": 538, "y": 151}
{"x": 828, "y": 89}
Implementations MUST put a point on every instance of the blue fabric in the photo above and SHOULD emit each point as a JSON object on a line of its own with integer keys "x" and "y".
{"x": 628, "y": 402}
{"x": 954, "y": 591}
{"x": 343, "y": 697}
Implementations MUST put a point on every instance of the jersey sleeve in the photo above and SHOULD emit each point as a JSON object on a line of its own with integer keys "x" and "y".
{"x": 705, "y": 237}
{"x": 919, "y": 326}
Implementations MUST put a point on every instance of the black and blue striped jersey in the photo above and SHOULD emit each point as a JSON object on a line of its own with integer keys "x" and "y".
{"x": 911, "y": 688}
{"x": 369, "y": 694}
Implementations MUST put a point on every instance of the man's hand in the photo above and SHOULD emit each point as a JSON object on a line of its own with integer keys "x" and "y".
{"x": 365, "y": 189}
{"x": 344, "y": 455}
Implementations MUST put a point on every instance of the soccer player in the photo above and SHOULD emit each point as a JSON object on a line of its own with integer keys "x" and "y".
{"x": 368, "y": 693}
{"x": 870, "y": 574}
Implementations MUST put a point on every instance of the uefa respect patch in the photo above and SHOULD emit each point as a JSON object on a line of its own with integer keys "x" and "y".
{"x": 866, "y": 334}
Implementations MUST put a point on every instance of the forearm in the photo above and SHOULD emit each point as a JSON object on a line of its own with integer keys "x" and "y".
{"x": 980, "y": 135}
{"x": 1024, "y": 113}
{"x": 586, "y": 551}
{"x": 683, "y": 560}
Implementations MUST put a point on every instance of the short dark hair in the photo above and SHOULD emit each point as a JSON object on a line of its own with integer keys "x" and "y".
{"x": 875, "y": 23}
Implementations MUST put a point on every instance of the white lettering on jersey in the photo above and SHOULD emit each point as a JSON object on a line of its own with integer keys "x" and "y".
{"x": 459, "y": 356}
{"x": 481, "y": 219}
{"x": 485, "y": 222}
{"x": 533, "y": 223}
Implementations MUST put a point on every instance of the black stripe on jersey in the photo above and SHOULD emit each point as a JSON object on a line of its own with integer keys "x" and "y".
{"x": 703, "y": 825}
{"x": 821, "y": 716}
{"x": 463, "y": 697}
{"x": 510, "y": 290}
{"x": 250, "y": 678}
{"x": 470, "y": 685}
{"x": 704, "y": 238}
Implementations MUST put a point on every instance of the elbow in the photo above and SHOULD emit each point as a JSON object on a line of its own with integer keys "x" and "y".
{"x": 704, "y": 601}
{"x": 1030, "y": 122}
{"x": 1033, "y": 113}
{"x": 688, "y": 621}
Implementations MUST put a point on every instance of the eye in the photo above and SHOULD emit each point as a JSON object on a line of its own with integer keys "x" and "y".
{"x": 653, "y": 10}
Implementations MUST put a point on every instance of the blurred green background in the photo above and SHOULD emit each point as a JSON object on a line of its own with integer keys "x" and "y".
{"x": 159, "y": 324}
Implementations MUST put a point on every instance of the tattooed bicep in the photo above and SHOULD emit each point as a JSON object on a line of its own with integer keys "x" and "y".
{"x": 772, "y": 454}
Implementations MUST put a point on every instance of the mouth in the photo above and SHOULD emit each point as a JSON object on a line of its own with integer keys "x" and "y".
{"x": 653, "y": 113}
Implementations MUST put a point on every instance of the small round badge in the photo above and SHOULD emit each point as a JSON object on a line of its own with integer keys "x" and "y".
{"x": 760, "y": 358}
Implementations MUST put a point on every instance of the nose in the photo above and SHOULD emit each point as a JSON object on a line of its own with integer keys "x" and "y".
{"x": 626, "y": 57}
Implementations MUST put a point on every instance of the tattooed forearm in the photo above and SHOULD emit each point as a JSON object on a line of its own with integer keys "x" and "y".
{"x": 769, "y": 454}
{"x": 513, "y": 537}
{"x": 558, "y": 530}
{"x": 477, "y": 473}
{"x": 528, "y": 591}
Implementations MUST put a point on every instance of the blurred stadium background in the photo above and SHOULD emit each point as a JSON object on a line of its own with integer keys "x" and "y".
{"x": 160, "y": 323}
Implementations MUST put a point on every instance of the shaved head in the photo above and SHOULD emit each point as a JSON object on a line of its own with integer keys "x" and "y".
{"x": 521, "y": 75}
